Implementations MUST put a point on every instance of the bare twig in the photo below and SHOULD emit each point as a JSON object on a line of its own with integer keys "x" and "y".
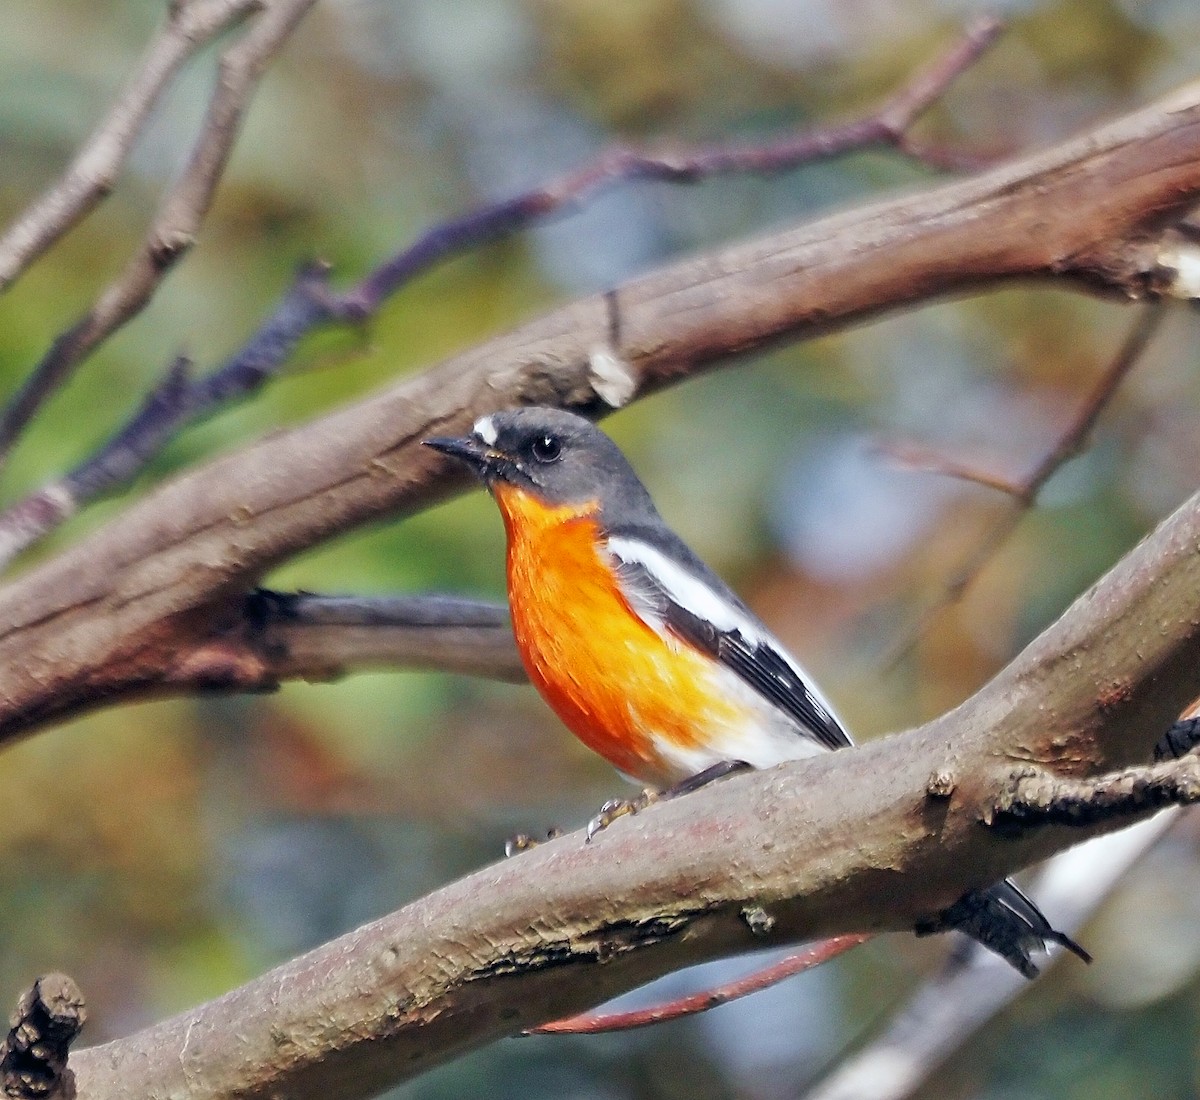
{"x": 1025, "y": 491}
{"x": 175, "y": 224}
{"x": 309, "y": 303}
{"x": 931, "y": 460}
{"x": 944, "y": 1012}
{"x": 886, "y": 125}
{"x": 189, "y": 26}
{"x": 47, "y": 1020}
{"x": 593, "y": 1023}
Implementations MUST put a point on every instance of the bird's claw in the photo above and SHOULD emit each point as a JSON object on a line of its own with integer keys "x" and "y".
{"x": 618, "y": 807}
{"x": 522, "y": 842}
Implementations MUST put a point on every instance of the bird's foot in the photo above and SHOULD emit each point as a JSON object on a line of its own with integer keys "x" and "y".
{"x": 619, "y": 807}
{"x": 709, "y": 775}
{"x": 522, "y": 842}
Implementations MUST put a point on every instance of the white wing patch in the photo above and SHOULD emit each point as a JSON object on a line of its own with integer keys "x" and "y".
{"x": 750, "y": 660}
{"x": 687, "y": 590}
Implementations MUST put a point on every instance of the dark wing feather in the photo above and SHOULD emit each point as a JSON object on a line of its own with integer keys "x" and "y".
{"x": 765, "y": 669}
{"x": 752, "y": 653}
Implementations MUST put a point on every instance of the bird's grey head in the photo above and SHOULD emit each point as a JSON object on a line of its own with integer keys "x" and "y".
{"x": 561, "y": 457}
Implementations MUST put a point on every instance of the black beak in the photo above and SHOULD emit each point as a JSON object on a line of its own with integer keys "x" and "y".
{"x": 469, "y": 449}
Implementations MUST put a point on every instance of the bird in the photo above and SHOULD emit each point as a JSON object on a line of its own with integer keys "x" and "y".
{"x": 646, "y": 655}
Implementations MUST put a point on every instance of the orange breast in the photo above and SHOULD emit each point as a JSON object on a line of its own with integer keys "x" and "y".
{"x": 618, "y": 685}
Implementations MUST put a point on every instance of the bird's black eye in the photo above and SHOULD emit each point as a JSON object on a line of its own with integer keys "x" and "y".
{"x": 546, "y": 448}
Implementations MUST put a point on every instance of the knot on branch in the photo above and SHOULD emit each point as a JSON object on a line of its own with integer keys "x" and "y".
{"x": 1033, "y": 796}
{"x": 46, "y": 1021}
{"x": 941, "y": 784}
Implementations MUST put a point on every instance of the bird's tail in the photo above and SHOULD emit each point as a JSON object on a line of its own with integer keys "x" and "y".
{"x": 1005, "y": 921}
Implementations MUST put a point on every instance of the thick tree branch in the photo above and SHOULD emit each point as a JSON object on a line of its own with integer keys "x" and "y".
{"x": 177, "y": 220}
{"x": 1089, "y": 212}
{"x": 865, "y": 840}
{"x": 970, "y": 991}
{"x": 189, "y": 26}
{"x": 310, "y": 302}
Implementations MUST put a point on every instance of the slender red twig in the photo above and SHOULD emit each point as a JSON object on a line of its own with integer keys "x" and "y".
{"x": 593, "y": 1023}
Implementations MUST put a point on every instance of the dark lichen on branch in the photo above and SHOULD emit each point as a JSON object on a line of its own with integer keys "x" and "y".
{"x": 1033, "y": 797}
{"x": 47, "y": 1020}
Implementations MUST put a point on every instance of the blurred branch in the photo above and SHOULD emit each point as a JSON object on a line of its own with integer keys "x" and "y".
{"x": 595, "y": 1023}
{"x": 310, "y": 303}
{"x": 33, "y": 1058}
{"x": 1072, "y": 442}
{"x": 179, "y": 561}
{"x": 177, "y": 220}
{"x": 976, "y": 986}
{"x": 190, "y": 25}
{"x": 279, "y": 636}
{"x": 885, "y": 125}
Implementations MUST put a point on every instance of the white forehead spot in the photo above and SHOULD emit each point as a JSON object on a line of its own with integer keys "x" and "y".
{"x": 485, "y": 428}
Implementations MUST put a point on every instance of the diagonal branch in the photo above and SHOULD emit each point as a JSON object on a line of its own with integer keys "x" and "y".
{"x": 75, "y": 637}
{"x": 870, "y": 839}
{"x": 596, "y": 1023}
{"x": 886, "y": 125}
{"x": 189, "y": 26}
{"x": 310, "y": 303}
{"x": 175, "y": 224}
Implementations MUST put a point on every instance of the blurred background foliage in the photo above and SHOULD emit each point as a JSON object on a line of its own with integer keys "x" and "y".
{"x": 164, "y": 853}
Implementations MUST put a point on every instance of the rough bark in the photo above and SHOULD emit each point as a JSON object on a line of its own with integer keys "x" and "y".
{"x": 868, "y": 839}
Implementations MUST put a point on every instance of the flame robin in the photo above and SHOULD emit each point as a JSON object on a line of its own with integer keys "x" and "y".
{"x": 645, "y": 654}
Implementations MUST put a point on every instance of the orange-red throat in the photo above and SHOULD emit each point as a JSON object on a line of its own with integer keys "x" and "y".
{"x": 617, "y": 684}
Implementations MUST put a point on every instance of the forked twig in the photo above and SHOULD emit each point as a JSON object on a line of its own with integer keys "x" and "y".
{"x": 1024, "y": 492}
{"x": 175, "y": 225}
{"x": 90, "y": 177}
